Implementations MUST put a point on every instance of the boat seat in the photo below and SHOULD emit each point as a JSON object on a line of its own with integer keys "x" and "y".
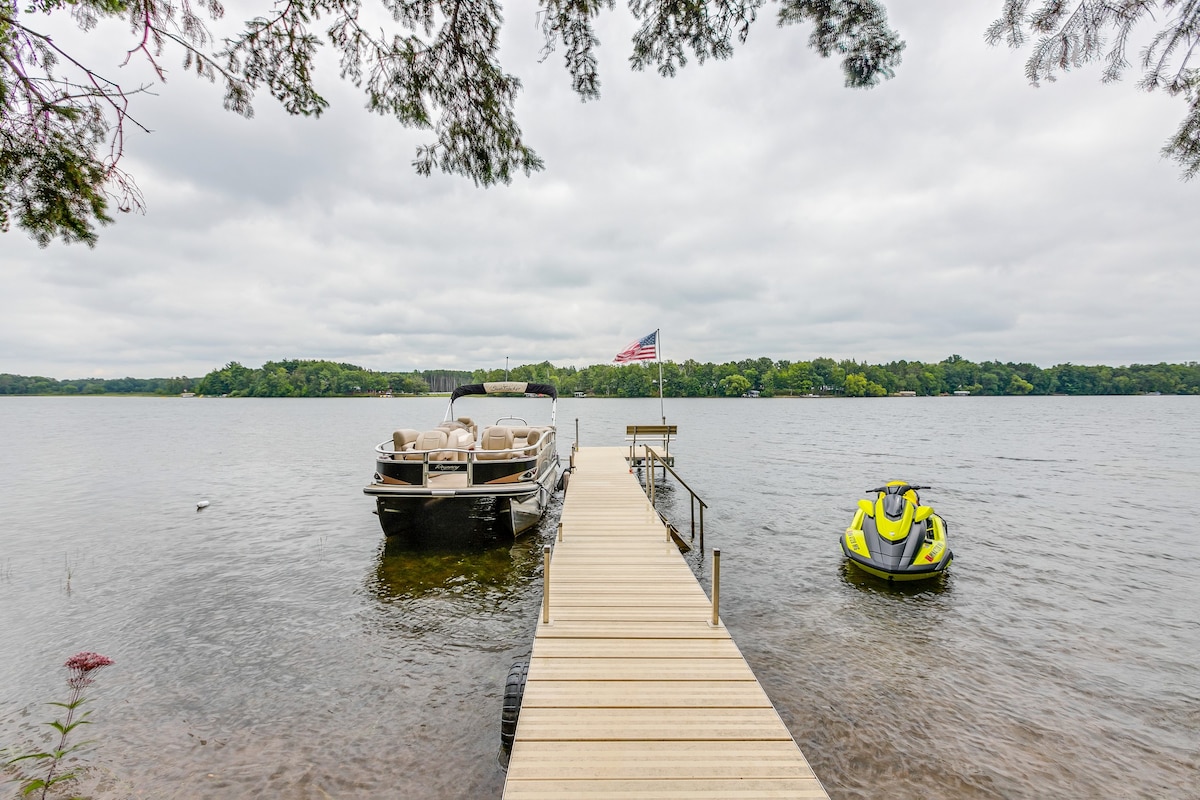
{"x": 471, "y": 426}
{"x": 430, "y": 440}
{"x": 495, "y": 438}
{"x": 459, "y": 439}
{"x": 531, "y": 441}
{"x": 403, "y": 438}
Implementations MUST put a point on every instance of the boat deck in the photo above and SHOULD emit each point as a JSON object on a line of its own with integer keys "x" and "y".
{"x": 631, "y": 691}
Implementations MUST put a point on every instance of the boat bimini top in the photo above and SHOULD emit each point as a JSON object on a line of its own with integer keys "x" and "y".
{"x": 505, "y": 387}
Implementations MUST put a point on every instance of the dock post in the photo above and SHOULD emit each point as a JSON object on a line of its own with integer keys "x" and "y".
{"x": 701, "y": 527}
{"x": 560, "y": 531}
{"x": 650, "y": 476}
{"x": 716, "y": 587}
{"x": 546, "y": 584}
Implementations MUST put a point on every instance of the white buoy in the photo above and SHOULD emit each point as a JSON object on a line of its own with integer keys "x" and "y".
{"x": 201, "y": 504}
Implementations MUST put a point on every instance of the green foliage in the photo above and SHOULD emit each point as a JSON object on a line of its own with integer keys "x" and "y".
{"x": 822, "y": 376}
{"x": 83, "y": 667}
{"x": 1070, "y": 35}
{"x": 735, "y": 385}
{"x": 20, "y": 384}
{"x": 297, "y": 378}
{"x": 437, "y": 69}
{"x": 857, "y": 385}
{"x": 855, "y": 29}
{"x": 52, "y": 185}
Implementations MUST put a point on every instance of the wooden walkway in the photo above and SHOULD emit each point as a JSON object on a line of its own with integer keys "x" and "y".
{"x": 632, "y": 692}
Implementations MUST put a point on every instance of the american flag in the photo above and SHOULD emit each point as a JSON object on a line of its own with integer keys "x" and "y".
{"x": 644, "y": 349}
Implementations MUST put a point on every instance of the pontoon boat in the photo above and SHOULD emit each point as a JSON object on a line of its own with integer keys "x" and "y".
{"x": 509, "y": 469}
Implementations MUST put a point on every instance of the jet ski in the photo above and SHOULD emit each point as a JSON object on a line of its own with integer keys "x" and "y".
{"x": 895, "y": 537}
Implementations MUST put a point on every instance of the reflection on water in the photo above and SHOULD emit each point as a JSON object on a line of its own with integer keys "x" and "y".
{"x": 870, "y": 584}
{"x": 406, "y": 569}
{"x": 277, "y": 645}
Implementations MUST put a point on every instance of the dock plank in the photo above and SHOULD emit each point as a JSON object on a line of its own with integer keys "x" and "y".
{"x": 632, "y": 692}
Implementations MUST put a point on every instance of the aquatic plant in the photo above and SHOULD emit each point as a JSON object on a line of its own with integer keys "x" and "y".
{"x": 83, "y": 667}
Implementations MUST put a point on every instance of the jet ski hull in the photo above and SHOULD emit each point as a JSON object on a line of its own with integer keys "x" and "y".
{"x": 895, "y": 538}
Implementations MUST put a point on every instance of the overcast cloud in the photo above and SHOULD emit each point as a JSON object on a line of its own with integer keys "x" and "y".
{"x": 750, "y": 207}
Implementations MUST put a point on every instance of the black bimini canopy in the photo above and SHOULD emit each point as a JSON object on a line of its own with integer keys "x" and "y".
{"x": 504, "y": 387}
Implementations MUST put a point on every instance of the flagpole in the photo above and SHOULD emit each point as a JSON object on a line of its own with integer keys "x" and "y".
{"x": 658, "y": 352}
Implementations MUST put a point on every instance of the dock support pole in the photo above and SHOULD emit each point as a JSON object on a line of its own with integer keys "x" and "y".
{"x": 560, "y": 531}
{"x": 716, "y": 587}
{"x": 650, "y": 476}
{"x": 546, "y": 584}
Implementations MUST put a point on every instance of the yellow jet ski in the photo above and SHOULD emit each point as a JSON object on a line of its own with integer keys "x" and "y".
{"x": 895, "y": 537}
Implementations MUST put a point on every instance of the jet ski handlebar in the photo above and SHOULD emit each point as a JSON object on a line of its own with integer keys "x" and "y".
{"x": 900, "y": 488}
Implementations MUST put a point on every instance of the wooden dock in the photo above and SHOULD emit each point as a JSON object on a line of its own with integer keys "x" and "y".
{"x": 632, "y": 691}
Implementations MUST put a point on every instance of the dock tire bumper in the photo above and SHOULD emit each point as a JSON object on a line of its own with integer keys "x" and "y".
{"x": 514, "y": 690}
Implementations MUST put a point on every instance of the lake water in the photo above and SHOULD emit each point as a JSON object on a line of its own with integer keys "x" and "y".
{"x": 272, "y": 645}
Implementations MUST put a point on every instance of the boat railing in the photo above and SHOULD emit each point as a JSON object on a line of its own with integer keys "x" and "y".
{"x": 695, "y": 498}
{"x": 388, "y": 449}
{"x": 464, "y": 460}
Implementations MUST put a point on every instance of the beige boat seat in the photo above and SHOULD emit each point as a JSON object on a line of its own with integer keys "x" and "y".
{"x": 531, "y": 440}
{"x": 452, "y": 429}
{"x": 403, "y": 439}
{"x": 495, "y": 438}
{"x": 430, "y": 440}
{"x": 470, "y": 425}
{"x": 459, "y": 439}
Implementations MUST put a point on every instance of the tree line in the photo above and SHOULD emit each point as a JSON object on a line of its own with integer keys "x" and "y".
{"x": 849, "y": 378}
{"x": 292, "y": 378}
{"x": 763, "y": 376}
{"x": 35, "y": 384}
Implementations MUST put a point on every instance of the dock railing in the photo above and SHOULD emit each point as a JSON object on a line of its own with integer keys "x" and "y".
{"x": 695, "y": 498}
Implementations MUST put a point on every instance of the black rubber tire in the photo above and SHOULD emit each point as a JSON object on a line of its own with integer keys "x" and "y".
{"x": 514, "y": 690}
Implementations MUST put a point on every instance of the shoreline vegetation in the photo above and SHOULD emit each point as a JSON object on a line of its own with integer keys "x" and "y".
{"x": 762, "y": 377}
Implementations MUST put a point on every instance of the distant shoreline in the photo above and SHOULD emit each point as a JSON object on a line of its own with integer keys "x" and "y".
{"x": 444, "y": 395}
{"x": 750, "y": 378}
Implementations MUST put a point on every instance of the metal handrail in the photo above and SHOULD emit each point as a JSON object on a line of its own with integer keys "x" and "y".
{"x": 695, "y": 498}
{"x": 471, "y": 454}
{"x": 547, "y": 443}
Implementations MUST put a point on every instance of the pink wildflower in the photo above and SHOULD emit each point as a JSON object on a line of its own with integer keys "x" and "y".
{"x": 86, "y": 662}
{"x": 81, "y": 665}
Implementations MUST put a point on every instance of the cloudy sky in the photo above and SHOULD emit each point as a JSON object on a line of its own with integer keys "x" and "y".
{"x": 749, "y": 207}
